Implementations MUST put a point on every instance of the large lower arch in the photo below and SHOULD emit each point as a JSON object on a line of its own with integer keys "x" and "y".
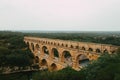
{"x": 53, "y": 67}
{"x": 82, "y": 60}
{"x": 36, "y": 59}
{"x": 43, "y": 62}
{"x": 66, "y": 58}
{"x": 45, "y": 50}
{"x": 54, "y": 53}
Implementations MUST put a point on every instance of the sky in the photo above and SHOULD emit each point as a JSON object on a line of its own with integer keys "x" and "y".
{"x": 60, "y": 15}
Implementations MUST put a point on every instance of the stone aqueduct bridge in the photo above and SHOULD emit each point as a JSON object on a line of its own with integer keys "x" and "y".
{"x": 57, "y": 54}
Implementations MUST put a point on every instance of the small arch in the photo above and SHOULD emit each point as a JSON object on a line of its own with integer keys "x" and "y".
{"x": 98, "y": 51}
{"x": 62, "y": 45}
{"x": 53, "y": 67}
{"x": 66, "y": 45}
{"x": 36, "y": 59}
{"x": 83, "y": 48}
{"x": 48, "y": 42}
{"x": 105, "y": 51}
{"x": 71, "y": 46}
{"x": 51, "y": 43}
{"x": 58, "y": 44}
{"x": 54, "y": 43}
{"x": 112, "y": 52}
{"x": 37, "y": 47}
{"x": 77, "y": 47}
{"x": 90, "y": 49}
{"x": 43, "y": 41}
{"x": 27, "y": 43}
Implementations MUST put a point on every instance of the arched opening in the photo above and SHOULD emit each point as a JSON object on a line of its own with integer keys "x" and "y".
{"x": 37, "y": 47}
{"x": 54, "y": 43}
{"x": 36, "y": 59}
{"x": 62, "y": 45}
{"x": 51, "y": 43}
{"x": 83, "y": 48}
{"x": 48, "y": 42}
{"x": 71, "y": 46}
{"x": 67, "y": 58}
{"x": 105, "y": 51}
{"x": 32, "y": 46}
{"x": 45, "y": 50}
{"x": 112, "y": 52}
{"x": 43, "y": 41}
{"x": 90, "y": 49}
{"x": 66, "y": 45}
{"x": 77, "y": 47}
{"x": 27, "y": 43}
{"x": 44, "y": 64}
{"x": 98, "y": 51}
{"x": 82, "y": 60}
{"x": 55, "y": 53}
{"x": 53, "y": 67}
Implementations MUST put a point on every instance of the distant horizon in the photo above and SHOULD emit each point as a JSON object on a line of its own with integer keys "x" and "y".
{"x": 44, "y": 31}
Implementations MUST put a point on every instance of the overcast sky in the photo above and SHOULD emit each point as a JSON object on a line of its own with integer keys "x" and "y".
{"x": 75, "y": 15}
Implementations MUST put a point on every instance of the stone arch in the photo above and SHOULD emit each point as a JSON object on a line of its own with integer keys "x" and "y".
{"x": 44, "y": 62}
{"x": 98, "y": 50}
{"x": 83, "y": 48}
{"x": 48, "y": 42}
{"x": 54, "y": 43}
{"x": 66, "y": 58}
{"x": 71, "y": 46}
{"x": 53, "y": 67}
{"x": 54, "y": 53}
{"x": 58, "y": 44}
{"x": 77, "y": 47}
{"x": 112, "y": 51}
{"x": 36, "y": 59}
{"x": 37, "y": 47}
{"x": 62, "y": 45}
{"x": 90, "y": 49}
{"x": 45, "y": 50}
{"x": 51, "y": 43}
{"x": 43, "y": 41}
{"x": 32, "y": 47}
{"x": 82, "y": 60}
{"x": 105, "y": 51}
{"x": 66, "y": 45}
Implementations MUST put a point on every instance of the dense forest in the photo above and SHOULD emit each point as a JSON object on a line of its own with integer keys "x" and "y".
{"x": 14, "y": 53}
